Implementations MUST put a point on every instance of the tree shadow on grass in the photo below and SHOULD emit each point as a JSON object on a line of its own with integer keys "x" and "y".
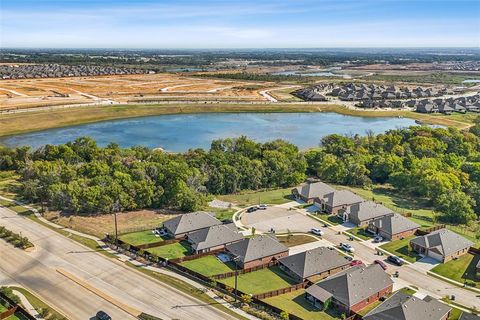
{"x": 470, "y": 273}
{"x": 401, "y": 200}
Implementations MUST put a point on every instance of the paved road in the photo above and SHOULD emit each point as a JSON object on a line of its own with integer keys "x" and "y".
{"x": 296, "y": 221}
{"x": 36, "y": 271}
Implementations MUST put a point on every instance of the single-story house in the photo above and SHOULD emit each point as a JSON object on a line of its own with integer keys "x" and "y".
{"x": 402, "y": 306}
{"x": 393, "y": 227}
{"x": 256, "y": 251}
{"x": 442, "y": 245}
{"x": 308, "y": 192}
{"x": 468, "y": 316}
{"x": 213, "y": 238}
{"x": 362, "y": 213}
{"x": 317, "y": 263}
{"x": 182, "y": 224}
{"x": 351, "y": 290}
{"x": 337, "y": 201}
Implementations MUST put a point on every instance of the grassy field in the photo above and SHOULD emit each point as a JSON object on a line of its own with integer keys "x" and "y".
{"x": 39, "y": 304}
{"x": 400, "y": 248}
{"x": 171, "y": 251}
{"x": 140, "y": 237}
{"x": 261, "y": 281}
{"x": 222, "y": 214}
{"x": 462, "y": 269}
{"x": 295, "y": 240}
{"x": 296, "y": 304}
{"x": 209, "y": 266}
{"x": 8, "y": 184}
{"x": 361, "y": 233}
{"x": 245, "y": 199}
{"x": 99, "y": 225}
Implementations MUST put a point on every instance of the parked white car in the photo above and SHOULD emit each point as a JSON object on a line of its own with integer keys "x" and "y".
{"x": 317, "y": 231}
{"x": 347, "y": 247}
{"x": 262, "y": 207}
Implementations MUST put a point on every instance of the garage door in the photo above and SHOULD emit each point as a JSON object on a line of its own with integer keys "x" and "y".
{"x": 435, "y": 256}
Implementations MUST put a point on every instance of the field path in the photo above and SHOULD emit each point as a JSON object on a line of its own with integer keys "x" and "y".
{"x": 14, "y": 92}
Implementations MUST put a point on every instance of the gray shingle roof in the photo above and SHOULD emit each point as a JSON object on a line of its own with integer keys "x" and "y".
{"x": 368, "y": 210}
{"x": 214, "y": 236}
{"x": 309, "y": 263}
{"x": 355, "y": 284}
{"x": 444, "y": 241}
{"x": 394, "y": 224}
{"x": 342, "y": 197}
{"x": 314, "y": 190}
{"x": 402, "y": 306}
{"x": 191, "y": 222}
{"x": 250, "y": 249}
{"x": 468, "y": 316}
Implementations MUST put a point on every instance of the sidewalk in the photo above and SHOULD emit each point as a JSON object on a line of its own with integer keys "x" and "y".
{"x": 125, "y": 258}
{"x": 28, "y": 307}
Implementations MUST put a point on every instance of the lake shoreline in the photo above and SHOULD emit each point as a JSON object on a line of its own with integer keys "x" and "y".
{"x": 15, "y": 124}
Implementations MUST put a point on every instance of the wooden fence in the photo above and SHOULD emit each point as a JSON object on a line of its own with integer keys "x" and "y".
{"x": 156, "y": 244}
{"x": 278, "y": 292}
{"x": 14, "y": 308}
{"x": 243, "y": 271}
{"x": 428, "y": 230}
{"x": 196, "y": 256}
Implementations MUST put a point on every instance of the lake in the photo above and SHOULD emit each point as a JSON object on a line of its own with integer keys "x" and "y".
{"x": 312, "y": 74}
{"x": 180, "y": 132}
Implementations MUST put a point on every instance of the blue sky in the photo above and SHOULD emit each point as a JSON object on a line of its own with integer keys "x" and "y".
{"x": 239, "y": 24}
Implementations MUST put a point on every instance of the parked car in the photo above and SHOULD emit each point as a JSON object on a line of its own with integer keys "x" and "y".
{"x": 377, "y": 239}
{"x": 102, "y": 315}
{"x": 317, "y": 231}
{"x": 252, "y": 209}
{"x": 381, "y": 264}
{"x": 395, "y": 260}
{"x": 262, "y": 207}
{"x": 347, "y": 247}
{"x": 356, "y": 263}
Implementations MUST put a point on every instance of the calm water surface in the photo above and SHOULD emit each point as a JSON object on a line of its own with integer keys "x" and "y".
{"x": 181, "y": 132}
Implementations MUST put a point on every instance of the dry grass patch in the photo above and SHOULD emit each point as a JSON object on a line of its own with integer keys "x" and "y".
{"x": 99, "y": 225}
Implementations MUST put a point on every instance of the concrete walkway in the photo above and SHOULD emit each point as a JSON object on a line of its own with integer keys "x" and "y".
{"x": 27, "y": 305}
{"x": 125, "y": 258}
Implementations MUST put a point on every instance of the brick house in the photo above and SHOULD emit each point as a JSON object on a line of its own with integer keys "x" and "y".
{"x": 182, "y": 224}
{"x": 402, "y": 306}
{"x": 351, "y": 290}
{"x": 337, "y": 201}
{"x": 308, "y": 192}
{"x": 314, "y": 264}
{"x": 213, "y": 238}
{"x": 256, "y": 251}
{"x": 393, "y": 227}
{"x": 362, "y": 213}
{"x": 442, "y": 245}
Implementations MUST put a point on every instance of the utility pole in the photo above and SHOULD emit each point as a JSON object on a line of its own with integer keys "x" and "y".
{"x": 236, "y": 278}
{"x": 116, "y": 228}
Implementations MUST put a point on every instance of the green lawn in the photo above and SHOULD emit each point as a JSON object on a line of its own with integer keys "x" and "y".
{"x": 460, "y": 270}
{"x": 400, "y": 248}
{"x": 141, "y": 237}
{"x": 222, "y": 214}
{"x": 209, "y": 266}
{"x": 2, "y": 307}
{"x": 37, "y": 303}
{"x": 295, "y": 303}
{"x": 261, "y": 281}
{"x": 295, "y": 240}
{"x": 369, "y": 308}
{"x": 332, "y": 219}
{"x": 248, "y": 198}
{"x": 361, "y": 233}
{"x": 17, "y": 316}
{"x": 171, "y": 251}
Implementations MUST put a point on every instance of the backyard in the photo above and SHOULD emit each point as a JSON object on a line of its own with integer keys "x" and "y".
{"x": 140, "y": 237}
{"x": 401, "y": 249}
{"x": 245, "y": 199}
{"x": 461, "y": 270}
{"x": 171, "y": 251}
{"x": 260, "y": 281}
{"x": 209, "y": 266}
{"x": 295, "y": 303}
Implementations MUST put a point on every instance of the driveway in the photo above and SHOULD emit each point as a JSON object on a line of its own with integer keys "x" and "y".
{"x": 426, "y": 263}
{"x": 280, "y": 219}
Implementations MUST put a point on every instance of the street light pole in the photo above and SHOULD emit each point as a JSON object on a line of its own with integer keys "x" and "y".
{"x": 116, "y": 228}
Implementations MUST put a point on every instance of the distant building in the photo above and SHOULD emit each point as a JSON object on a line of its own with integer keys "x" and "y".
{"x": 213, "y": 238}
{"x": 362, "y": 213}
{"x": 337, "y": 201}
{"x": 182, "y": 224}
{"x": 308, "y": 192}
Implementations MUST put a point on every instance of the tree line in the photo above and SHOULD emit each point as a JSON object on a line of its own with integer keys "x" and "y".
{"x": 438, "y": 164}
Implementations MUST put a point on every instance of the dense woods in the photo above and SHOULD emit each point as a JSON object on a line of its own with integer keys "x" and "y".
{"x": 439, "y": 164}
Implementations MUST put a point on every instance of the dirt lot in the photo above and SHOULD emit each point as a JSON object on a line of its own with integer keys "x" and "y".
{"x": 102, "y": 224}
{"x": 27, "y": 93}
